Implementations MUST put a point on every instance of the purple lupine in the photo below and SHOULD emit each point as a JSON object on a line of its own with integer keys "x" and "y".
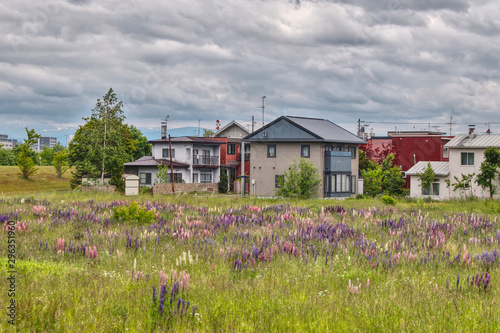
{"x": 458, "y": 280}
{"x": 162, "y": 303}
{"x": 154, "y": 295}
{"x": 447, "y": 283}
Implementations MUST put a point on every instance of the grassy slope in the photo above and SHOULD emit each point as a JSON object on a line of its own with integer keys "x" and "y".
{"x": 45, "y": 180}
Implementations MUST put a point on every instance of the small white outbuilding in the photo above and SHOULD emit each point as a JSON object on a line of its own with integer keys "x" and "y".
{"x": 131, "y": 184}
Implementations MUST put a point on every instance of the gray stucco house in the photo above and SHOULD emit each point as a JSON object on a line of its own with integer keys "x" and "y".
{"x": 331, "y": 149}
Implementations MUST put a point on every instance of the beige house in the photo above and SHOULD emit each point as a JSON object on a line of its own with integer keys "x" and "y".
{"x": 331, "y": 149}
{"x": 466, "y": 153}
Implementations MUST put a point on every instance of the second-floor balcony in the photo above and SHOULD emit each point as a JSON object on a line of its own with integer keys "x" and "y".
{"x": 206, "y": 160}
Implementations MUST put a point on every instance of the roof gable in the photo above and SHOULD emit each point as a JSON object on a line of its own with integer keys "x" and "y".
{"x": 288, "y": 128}
{"x": 439, "y": 168}
{"x": 282, "y": 129}
{"x": 476, "y": 141}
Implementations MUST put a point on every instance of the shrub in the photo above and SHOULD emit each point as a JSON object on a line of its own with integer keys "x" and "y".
{"x": 387, "y": 199}
{"x": 133, "y": 212}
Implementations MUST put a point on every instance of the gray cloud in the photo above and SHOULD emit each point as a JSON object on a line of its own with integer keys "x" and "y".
{"x": 408, "y": 61}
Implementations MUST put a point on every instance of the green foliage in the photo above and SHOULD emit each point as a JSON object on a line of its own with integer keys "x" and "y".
{"x": 133, "y": 213}
{"x": 142, "y": 147}
{"x": 104, "y": 139}
{"x": 300, "y": 181}
{"x": 24, "y": 161}
{"x": 7, "y": 157}
{"x": 163, "y": 176}
{"x": 427, "y": 177}
{"x": 224, "y": 180}
{"x": 365, "y": 163}
{"x": 462, "y": 183}
{"x": 208, "y": 133}
{"x": 383, "y": 179}
{"x": 489, "y": 170}
{"x": 387, "y": 199}
{"x": 60, "y": 162}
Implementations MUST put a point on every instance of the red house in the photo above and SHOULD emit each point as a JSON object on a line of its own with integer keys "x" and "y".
{"x": 412, "y": 147}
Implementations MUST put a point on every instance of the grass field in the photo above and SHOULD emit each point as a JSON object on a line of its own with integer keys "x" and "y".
{"x": 45, "y": 180}
{"x": 106, "y": 263}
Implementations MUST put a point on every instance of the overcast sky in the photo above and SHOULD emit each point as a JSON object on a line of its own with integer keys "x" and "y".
{"x": 391, "y": 62}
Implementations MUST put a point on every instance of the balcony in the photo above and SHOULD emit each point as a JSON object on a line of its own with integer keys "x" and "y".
{"x": 205, "y": 161}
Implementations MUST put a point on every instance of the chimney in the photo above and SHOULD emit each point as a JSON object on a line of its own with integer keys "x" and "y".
{"x": 472, "y": 131}
{"x": 163, "y": 130}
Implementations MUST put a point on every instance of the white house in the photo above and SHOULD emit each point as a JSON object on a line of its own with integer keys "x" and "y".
{"x": 194, "y": 160}
{"x": 466, "y": 153}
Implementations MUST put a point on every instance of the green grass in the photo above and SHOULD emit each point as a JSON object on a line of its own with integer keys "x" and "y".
{"x": 45, "y": 180}
{"x": 67, "y": 292}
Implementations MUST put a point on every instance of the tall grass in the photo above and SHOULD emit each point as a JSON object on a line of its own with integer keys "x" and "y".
{"x": 254, "y": 265}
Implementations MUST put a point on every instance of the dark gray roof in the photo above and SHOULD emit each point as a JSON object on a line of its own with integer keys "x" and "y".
{"x": 317, "y": 129}
{"x": 150, "y": 161}
{"x": 188, "y": 139}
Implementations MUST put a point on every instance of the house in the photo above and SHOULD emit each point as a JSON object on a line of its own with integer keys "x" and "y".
{"x": 466, "y": 153}
{"x": 194, "y": 160}
{"x": 331, "y": 149}
{"x": 230, "y": 154}
{"x": 411, "y": 147}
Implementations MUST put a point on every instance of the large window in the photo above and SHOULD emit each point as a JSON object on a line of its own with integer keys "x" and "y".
{"x": 433, "y": 189}
{"x": 279, "y": 180}
{"x": 341, "y": 183}
{"x": 145, "y": 178}
{"x": 231, "y": 149}
{"x": 247, "y": 151}
{"x": 305, "y": 151}
{"x": 445, "y": 153}
{"x": 352, "y": 149}
{"x": 205, "y": 176}
{"x": 467, "y": 158}
{"x": 166, "y": 153}
{"x": 271, "y": 150}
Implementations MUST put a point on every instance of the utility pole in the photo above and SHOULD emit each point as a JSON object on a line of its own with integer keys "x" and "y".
{"x": 199, "y": 121}
{"x": 164, "y": 125}
{"x": 359, "y": 127}
{"x": 263, "y": 107}
{"x": 171, "y": 164}
{"x": 450, "y": 123}
{"x": 103, "y": 148}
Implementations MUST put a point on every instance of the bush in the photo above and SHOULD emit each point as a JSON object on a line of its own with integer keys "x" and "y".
{"x": 133, "y": 212}
{"x": 224, "y": 180}
{"x": 300, "y": 181}
{"x": 387, "y": 199}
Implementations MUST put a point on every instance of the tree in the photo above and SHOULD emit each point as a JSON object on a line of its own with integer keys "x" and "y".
{"x": 300, "y": 181}
{"x": 142, "y": 147}
{"x": 60, "y": 162}
{"x": 208, "y": 133}
{"x": 24, "y": 161}
{"x": 162, "y": 177}
{"x": 384, "y": 178}
{"x": 7, "y": 157}
{"x": 461, "y": 183}
{"x": 103, "y": 144}
{"x": 47, "y": 156}
{"x": 489, "y": 170}
{"x": 427, "y": 178}
{"x": 223, "y": 181}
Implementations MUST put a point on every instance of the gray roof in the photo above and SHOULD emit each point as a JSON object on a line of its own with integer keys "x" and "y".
{"x": 439, "y": 168}
{"x": 477, "y": 141}
{"x": 320, "y": 129}
{"x": 188, "y": 139}
{"x": 244, "y": 125}
{"x": 150, "y": 161}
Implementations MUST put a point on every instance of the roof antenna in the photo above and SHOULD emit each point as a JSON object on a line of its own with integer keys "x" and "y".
{"x": 263, "y": 107}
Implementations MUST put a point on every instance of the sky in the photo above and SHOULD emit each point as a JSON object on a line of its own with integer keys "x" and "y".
{"x": 394, "y": 64}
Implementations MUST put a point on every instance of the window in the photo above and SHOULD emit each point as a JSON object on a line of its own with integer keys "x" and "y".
{"x": 166, "y": 153}
{"x": 305, "y": 151}
{"x": 352, "y": 149}
{"x": 205, "y": 176}
{"x": 271, "y": 150}
{"x": 467, "y": 158}
{"x": 433, "y": 189}
{"x": 342, "y": 183}
{"x": 145, "y": 178}
{"x": 231, "y": 149}
{"x": 445, "y": 153}
{"x": 247, "y": 152}
{"x": 279, "y": 180}
{"x": 177, "y": 177}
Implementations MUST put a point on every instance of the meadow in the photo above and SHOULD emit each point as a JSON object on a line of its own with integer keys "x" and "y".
{"x": 109, "y": 263}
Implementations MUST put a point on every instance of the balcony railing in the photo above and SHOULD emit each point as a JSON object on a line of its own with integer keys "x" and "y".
{"x": 205, "y": 160}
